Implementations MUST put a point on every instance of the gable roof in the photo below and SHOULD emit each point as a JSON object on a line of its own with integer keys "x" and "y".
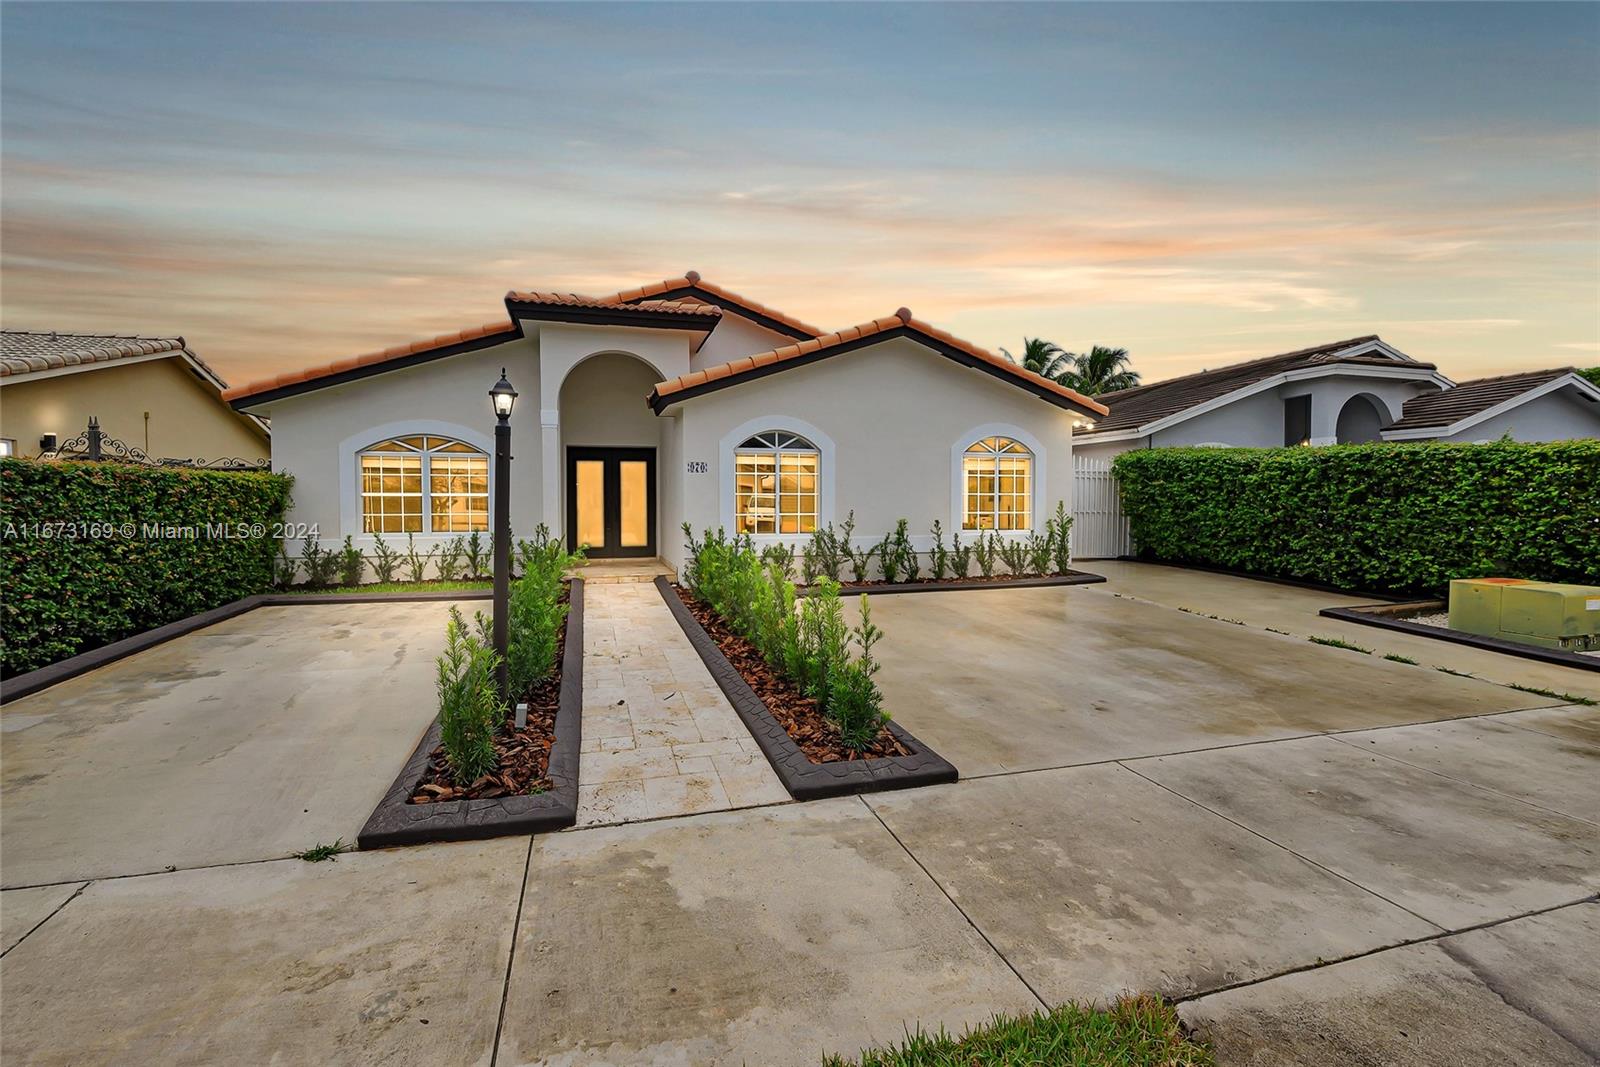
{"x": 1441, "y": 410}
{"x": 692, "y": 286}
{"x": 571, "y": 307}
{"x": 1145, "y": 404}
{"x": 900, "y": 324}
{"x": 25, "y": 352}
{"x": 392, "y": 358}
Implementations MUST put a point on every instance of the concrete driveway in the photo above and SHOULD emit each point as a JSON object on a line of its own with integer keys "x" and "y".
{"x": 1326, "y": 857}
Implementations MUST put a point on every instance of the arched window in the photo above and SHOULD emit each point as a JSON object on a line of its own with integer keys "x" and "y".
{"x": 998, "y": 473}
{"x": 775, "y": 484}
{"x": 423, "y": 484}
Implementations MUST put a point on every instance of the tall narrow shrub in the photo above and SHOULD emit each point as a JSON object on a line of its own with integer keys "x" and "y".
{"x": 469, "y": 705}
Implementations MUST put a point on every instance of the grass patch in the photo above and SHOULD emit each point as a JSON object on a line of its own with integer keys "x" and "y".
{"x": 1137, "y": 1031}
{"x": 1458, "y": 674}
{"x": 1334, "y": 642}
{"x": 318, "y": 853}
{"x": 1569, "y": 698}
{"x": 1397, "y": 658}
{"x": 433, "y": 586}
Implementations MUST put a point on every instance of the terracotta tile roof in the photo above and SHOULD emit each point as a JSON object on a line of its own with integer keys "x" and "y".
{"x": 394, "y": 352}
{"x": 1143, "y": 404}
{"x": 691, "y": 284}
{"x": 670, "y": 307}
{"x": 26, "y": 351}
{"x": 902, "y": 323}
{"x": 1448, "y": 406}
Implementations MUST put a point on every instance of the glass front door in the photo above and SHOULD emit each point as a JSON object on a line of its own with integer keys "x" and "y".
{"x": 611, "y": 501}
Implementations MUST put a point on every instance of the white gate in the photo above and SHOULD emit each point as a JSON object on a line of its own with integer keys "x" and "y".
{"x": 1099, "y": 528}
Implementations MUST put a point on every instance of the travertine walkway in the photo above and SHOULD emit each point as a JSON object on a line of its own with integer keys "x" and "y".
{"x": 659, "y": 738}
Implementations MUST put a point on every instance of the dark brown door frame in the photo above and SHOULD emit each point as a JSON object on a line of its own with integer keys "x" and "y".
{"x": 613, "y": 459}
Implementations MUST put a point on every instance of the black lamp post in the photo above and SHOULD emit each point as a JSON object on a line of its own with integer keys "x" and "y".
{"x": 503, "y": 397}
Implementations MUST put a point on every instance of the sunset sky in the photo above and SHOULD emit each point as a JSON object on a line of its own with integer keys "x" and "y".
{"x": 290, "y": 184}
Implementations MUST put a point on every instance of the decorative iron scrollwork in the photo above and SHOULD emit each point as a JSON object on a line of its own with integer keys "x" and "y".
{"x": 93, "y": 445}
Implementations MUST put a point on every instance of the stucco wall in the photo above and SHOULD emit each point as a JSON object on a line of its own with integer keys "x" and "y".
{"x": 735, "y": 337}
{"x": 889, "y": 420}
{"x": 314, "y": 434}
{"x": 187, "y": 419}
{"x": 1553, "y": 417}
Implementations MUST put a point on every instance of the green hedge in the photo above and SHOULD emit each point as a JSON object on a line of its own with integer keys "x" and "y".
{"x": 1404, "y": 518}
{"x": 115, "y": 568}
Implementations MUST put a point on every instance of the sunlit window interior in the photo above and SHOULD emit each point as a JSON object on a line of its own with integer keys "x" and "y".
{"x": 424, "y": 484}
{"x": 775, "y": 484}
{"x": 998, "y": 473}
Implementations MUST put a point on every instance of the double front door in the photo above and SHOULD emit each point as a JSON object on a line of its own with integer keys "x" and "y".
{"x": 611, "y": 501}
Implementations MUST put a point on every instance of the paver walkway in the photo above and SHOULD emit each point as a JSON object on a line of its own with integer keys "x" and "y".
{"x": 659, "y": 738}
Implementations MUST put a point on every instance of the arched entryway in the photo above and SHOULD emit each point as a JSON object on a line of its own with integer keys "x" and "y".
{"x": 1360, "y": 421}
{"x": 610, "y": 440}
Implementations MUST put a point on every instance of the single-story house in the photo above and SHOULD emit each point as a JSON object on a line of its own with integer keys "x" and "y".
{"x": 1345, "y": 392}
{"x": 678, "y": 402}
{"x": 148, "y": 393}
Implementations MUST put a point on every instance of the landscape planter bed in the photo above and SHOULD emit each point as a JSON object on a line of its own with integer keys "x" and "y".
{"x": 936, "y": 585}
{"x": 918, "y": 764}
{"x": 398, "y": 821}
{"x": 1395, "y": 617}
{"x": 1298, "y": 583}
{"x": 22, "y": 685}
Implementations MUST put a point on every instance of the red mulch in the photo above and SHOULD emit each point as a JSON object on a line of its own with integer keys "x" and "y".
{"x": 812, "y": 730}
{"x": 522, "y": 760}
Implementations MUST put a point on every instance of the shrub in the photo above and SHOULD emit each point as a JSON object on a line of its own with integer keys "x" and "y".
{"x": 448, "y": 566}
{"x": 985, "y": 547}
{"x": 320, "y": 565}
{"x": 66, "y": 595}
{"x": 1041, "y": 548}
{"x": 1403, "y": 518}
{"x": 960, "y": 555}
{"x": 1013, "y": 553}
{"x": 416, "y": 562}
{"x": 939, "y": 558}
{"x": 351, "y": 563}
{"x": 1059, "y": 529}
{"x": 896, "y": 558}
{"x": 826, "y": 552}
{"x": 384, "y": 559}
{"x": 780, "y": 556}
{"x": 809, "y": 644}
{"x": 469, "y": 707}
{"x": 477, "y": 555}
{"x": 535, "y": 611}
{"x": 283, "y": 568}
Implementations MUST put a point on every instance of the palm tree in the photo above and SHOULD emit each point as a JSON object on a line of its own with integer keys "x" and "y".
{"x": 1044, "y": 358}
{"x": 1100, "y": 370}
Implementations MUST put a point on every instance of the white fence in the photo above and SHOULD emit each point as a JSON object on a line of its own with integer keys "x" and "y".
{"x": 1099, "y": 528}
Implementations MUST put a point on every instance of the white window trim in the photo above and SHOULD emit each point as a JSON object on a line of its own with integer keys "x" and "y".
{"x": 958, "y": 480}
{"x": 350, "y": 450}
{"x": 825, "y": 472}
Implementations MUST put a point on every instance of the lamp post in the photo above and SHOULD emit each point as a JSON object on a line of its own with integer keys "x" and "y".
{"x": 503, "y": 398}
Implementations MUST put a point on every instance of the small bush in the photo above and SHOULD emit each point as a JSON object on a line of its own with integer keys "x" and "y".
{"x": 1059, "y": 530}
{"x": 416, "y": 562}
{"x": 384, "y": 559}
{"x": 321, "y": 565}
{"x": 351, "y": 563}
{"x": 535, "y": 611}
{"x": 826, "y": 552}
{"x": 284, "y": 569}
{"x": 1041, "y": 550}
{"x": 986, "y": 547}
{"x": 780, "y": 556}
{"x": 478, "y": 555}
{"x": 1013, "y": 553}
{"x": 469, "y": 707}
{"x": 960, "y": 555}
{"x": 448, "y": 565}
{"x": 939, "y": 558}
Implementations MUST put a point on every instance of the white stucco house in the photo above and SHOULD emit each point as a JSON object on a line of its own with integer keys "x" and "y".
{"x": 1345, "y": 392}
{"x": 675, "y": 402}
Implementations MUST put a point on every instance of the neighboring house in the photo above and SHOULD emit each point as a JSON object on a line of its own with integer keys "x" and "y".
{"x": 1346, "y": 392}
{"x": 672, "y": 403}
{"x": 149, "y": 393}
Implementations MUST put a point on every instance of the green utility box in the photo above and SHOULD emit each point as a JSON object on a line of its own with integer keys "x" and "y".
{"x": 1548, "y": 614}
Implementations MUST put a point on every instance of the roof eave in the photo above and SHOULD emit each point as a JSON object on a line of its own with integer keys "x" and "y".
{"x": 744, "y": 311}
{"x": 521, "y": 311}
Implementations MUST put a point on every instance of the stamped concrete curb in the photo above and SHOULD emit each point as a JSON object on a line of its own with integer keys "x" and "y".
{"x": 1070, "y": 578}
{"x": 803, "y": 779}
{"x": 31, "y": 682}
{"x": 396, "y": 822}
{"x": 1381, "y": 615}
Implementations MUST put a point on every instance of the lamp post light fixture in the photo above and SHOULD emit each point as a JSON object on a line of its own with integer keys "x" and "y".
{"x": 504, "y": 398}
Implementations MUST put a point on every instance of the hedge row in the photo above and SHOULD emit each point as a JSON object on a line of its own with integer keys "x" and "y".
{"x": 91, "y": 553}
{"x": 1402, "y": 518}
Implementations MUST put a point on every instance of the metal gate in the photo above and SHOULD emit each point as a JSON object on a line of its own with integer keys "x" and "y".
{"x": 1099, "y": 528}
